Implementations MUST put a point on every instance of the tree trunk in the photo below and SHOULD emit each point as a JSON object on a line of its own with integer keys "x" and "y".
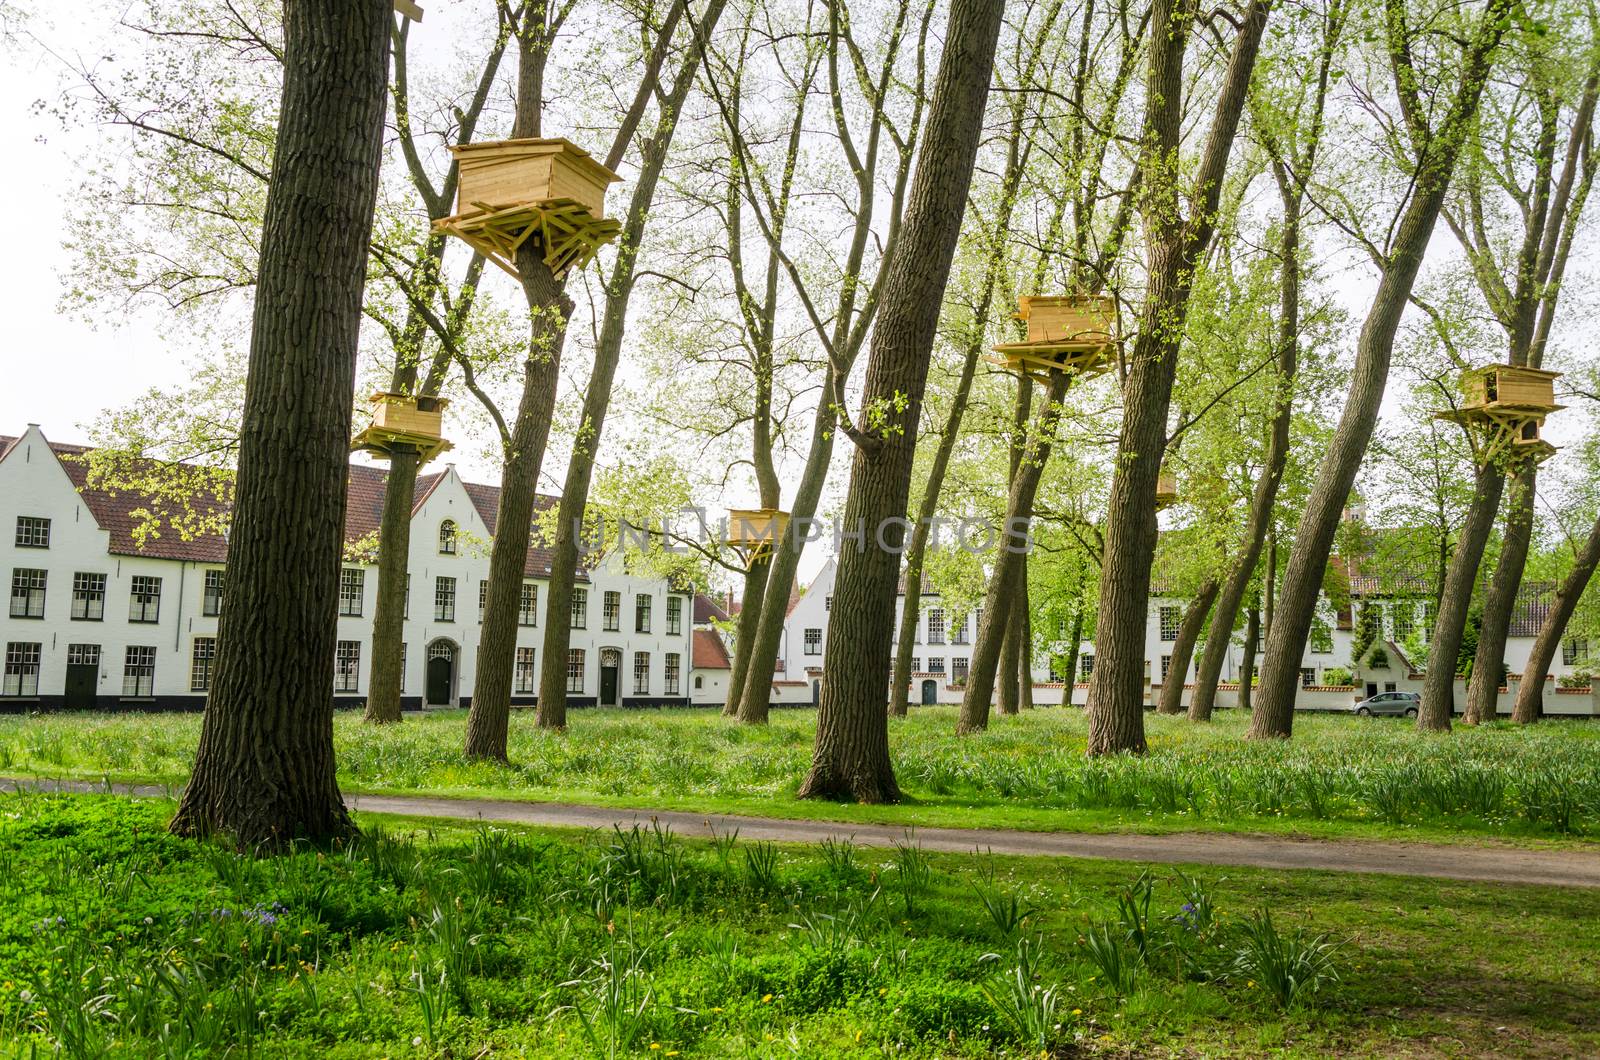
{"x": 755, "y": 588}
{"x": 1247, "y": 665}
{"x": 1302, "y": 582}
{"x": 552, "y": 709}
{"x": 1483, "y": 687}
{"x": 1006, "y": 685}
{"x": 1530, "y": 693}
{"x": 1176, "y": 245}
{"x": 1194, "y": 620}
{"x": 489, "y": 720}
{"x": 1265, "y": 495}
{"x": 916, "y": 556}
{"x": 264, "y": 773}
{"x": 388, "y": 618}
{"x": 1000, "y": 613}
{"x": 1025, "y": 643}
{"x": 1075, "y": 639}
{"x": 1438, "y": 686}
{"x": 851, "y": 755}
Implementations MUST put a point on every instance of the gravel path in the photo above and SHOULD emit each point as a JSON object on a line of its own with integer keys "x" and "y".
{"x": 1480, "y": 864}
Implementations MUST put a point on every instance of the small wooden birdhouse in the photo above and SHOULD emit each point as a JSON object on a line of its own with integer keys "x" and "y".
{"x": 408, "y": 9}
{"x": 511, "y": 191}
{"x": 1508, "y": 386}
{"x": 401, "y": 419}
{"x": 757, "y": 529}
{"x": 1166, "y": 489}
{"x": 1065, "y": 333}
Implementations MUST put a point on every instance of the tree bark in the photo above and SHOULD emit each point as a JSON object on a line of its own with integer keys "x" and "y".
{"x": 388, "y": 618}
{"x": 851, "y": 756}
{"x": 264, "y": 773}
{"x": 1438, "y": 686}
{"x": 755, "y": 588}
{"x": 552, "y": 708}
{"x": 1247, "y": 664}
{"x": 1483, "y": 687}
{"x": 1025, "y": 643}
{"x": 1000, "y": 613}
{"x": 1280, "y": 672}
{"x": 1007, "y": 686}
{"x": 1074, "y": 653}
{"x": 1194, "y": 620}
{"x": 1176, "y": 245}
{"x": 1530, "y": 693}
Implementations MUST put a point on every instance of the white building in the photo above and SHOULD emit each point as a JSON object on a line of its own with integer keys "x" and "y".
{"x": 99, "y": 618}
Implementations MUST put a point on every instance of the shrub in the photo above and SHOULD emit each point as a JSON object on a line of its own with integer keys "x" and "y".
{"x": 1290, "y": 968}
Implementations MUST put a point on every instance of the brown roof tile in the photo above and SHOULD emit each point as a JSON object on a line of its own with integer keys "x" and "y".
{"x": 709, "y": 651}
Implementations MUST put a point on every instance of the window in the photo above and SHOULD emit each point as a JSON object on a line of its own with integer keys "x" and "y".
{"x": 200, "y": 662}
{"x": 936, "y": 666}
{"x": 139, "y": 672}
{"x": 402, "y": 667}
{"x": 211, "y": 596}
{"x": 406, "y": 611}
{"x": 641, "y": 613}
{"x": 959, "y": 669}
{"x": 1308, "y": 676}
{"x": 699, "y": 682}
{"x": 1573, "y": 650}
{"x": 347, "y": 666}
{"x": 674, "y": 616}
{"x": 1402, "y": 618}
{"x": 813, "y": 641}
{"x": 27, "y": 593}
{"x": 144, "y": 604}
{"x": 916, "y": 664}
{"x": 1085, "y": 666}
{"x": 524, "y": 673}
{"x": 827, "y": 602}
{"x": 483, "y": 598}
{"x": 89, "y": 597}
{"x": 958, "y": 634}
{"x": 444, "y": 599}
{"x": 641, "y": 673}
{"x": 611, "y": 611}
{"x": 352, "y": 589}
{"x": 673, "y": 660}
{"x": 1170, "y": 620}
{"x": 528, "y": 606}
{"x": 1321, "y": 637}
{"x": 575, "y": 668}
{"x": 1166, "y": 665}
{"x": 447, "y": 538}
{"x": 33, "y": 532}
{"x": 580, "y": 614}
{"x": 83, "y": 655}
{"x": 22, "y": 670}
{"x": 936, "y": 625}
{"x": 1057, "y": 668}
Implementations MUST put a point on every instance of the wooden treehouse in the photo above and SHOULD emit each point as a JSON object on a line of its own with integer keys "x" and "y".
{"x": 755, "y": 530}
{"x": 1070, "y": 333}
{"x": 1505, "y": 406}
{"x": 1166, "y": 489}
{"x": 408, "y": 9}
{"x": 400, "y": 419}
{"x": 549, "y": 191}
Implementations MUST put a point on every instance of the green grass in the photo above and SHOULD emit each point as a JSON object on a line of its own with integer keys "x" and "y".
{"x": 117, "y": 939}
{"x": 1340, "y": 776}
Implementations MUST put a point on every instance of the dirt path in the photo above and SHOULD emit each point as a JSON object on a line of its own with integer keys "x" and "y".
{"x": 1481, "y": 864}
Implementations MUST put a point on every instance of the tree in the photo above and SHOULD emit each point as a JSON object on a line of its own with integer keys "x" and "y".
{"x": 264, "y": 770}
{"x": 851, "y": 754}
{"x": 1435, "y": 151}
{"x": 1175, "y": 246}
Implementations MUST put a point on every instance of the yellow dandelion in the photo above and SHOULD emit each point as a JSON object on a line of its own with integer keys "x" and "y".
{"x": 768, "y": 997}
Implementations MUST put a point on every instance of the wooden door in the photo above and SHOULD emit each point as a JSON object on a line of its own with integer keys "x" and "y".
{"x": 440, "y": 669}
{"x": 608, "y": 686}
{"x": 930, "y": 693}
{"x": 82, "y": 679}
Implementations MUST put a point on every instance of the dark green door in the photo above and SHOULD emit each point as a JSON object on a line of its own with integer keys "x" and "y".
{"x": 930, "y": 693}
{"x": 81, "y": 681}
{"x": 439, "y": 668}
{"x": 608, "y": 686}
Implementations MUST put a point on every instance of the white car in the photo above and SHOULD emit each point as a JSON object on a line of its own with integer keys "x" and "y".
{"x": 1404, "y": 703}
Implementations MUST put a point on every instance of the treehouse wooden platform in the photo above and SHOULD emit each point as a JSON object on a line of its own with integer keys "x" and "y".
{"x": 549, "y": 191}
{"x": 1505, "y": 406}
{"x": 400, "y": 419}
{"x": 753, "y": 531}
{"x": 1070, "y": 333}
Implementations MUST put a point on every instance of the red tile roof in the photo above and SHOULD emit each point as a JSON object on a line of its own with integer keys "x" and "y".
{"x": 114, "y": 511}
{"x": 708, "y": 608}
{"x": 709, "y": 651}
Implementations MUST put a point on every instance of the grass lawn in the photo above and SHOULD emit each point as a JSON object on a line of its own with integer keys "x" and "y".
{"x": 1340, "y": 776}
{"x": 117, "y": 939}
